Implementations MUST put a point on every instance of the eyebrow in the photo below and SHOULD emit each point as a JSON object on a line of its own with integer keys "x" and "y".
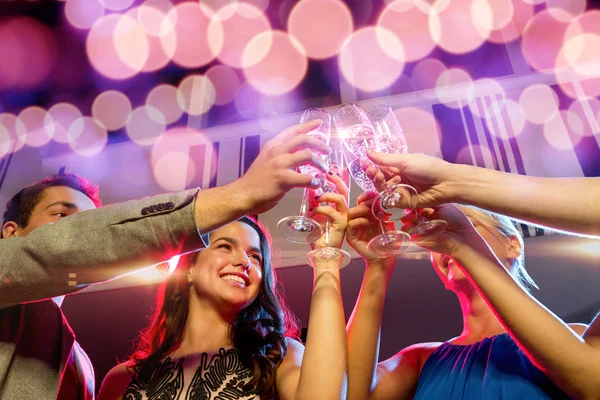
{"x": 62, "y": 203}
{"x": 235, "y": 242}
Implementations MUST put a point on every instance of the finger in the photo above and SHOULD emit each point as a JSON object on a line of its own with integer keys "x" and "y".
{"x": 390, "y": 160}
{"x": 304, "y": 157}
{"x": 302, "y": 142}
{"x": 379, "y": 181}
{"x": 366, "y": 196}
{"x": 339, "y": 184}
{"x": 372, "y": 171}
{"x": 328, "y": 211}
{"x": 291, "y": 179}
{"x": 361, "y": 211}
{"x": 296, "y": 130}
{"x": 335, "y": 198}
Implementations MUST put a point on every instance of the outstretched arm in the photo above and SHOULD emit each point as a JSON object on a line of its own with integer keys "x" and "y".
{"x": 397, "y": 377}
{"x": 567, "y": 204}
{"x": 98, "y": 245}
{"x": 319, "y": 371}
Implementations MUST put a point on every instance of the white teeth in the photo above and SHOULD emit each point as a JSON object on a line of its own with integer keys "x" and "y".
{"x": 234, "y": 278}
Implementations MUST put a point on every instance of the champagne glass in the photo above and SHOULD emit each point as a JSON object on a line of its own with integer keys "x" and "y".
{"x": 336, "y": 164}
{"x": 358, "y": 136}
{"x": 390, "y": 139}
{"x": 300, "y": 228}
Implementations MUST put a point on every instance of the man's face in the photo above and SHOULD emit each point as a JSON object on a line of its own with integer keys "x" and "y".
{"x": 56, "y": 202}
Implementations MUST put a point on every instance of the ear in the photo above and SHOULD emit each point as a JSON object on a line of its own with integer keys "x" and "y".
{"x": 190, "y": 277}
{"x": 10, "y": 229}
{"x": 514, "y": 249}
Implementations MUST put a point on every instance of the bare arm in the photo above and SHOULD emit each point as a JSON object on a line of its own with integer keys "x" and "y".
{"x": 570, "y": 362}
{"x": 99, "y": 245}
{"x": 397, "y": 377}
{"x": 319, "y": 371}
{"x": 567, "y": 204}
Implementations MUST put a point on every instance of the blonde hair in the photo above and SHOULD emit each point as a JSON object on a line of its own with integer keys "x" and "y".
{"x": 506, "y": 228}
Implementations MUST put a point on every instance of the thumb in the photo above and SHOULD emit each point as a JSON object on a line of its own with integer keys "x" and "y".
{"x": 388, "y": 160}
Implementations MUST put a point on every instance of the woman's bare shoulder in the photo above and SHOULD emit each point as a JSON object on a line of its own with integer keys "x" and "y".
{"x": 116, "y": 381}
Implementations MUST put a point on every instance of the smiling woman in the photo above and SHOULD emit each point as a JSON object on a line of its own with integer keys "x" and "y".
{"x": 218, "y": 309}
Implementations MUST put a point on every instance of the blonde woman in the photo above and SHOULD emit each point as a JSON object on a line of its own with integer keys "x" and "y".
{"x": 510, "y": 347}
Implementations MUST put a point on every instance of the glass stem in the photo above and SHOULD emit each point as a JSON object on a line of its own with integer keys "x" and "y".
{"x": 327, "y": 223}
{"x": 383, "y": 230}
{"x": 304, "y": 205}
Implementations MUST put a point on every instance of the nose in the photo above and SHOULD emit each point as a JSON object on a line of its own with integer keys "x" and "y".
{"x": 243, "y": 261}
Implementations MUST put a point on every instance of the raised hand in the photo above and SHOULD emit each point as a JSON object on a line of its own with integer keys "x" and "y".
{"x": 337, "y": 211}
{"x": 273, "y": 173}
{"x": 429, "y": 175}
{"x": 459, "y": 231}
{"x": 363, "y": 226}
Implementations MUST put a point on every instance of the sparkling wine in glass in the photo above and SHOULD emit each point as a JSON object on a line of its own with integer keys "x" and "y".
{"x": 357, "y": 133}
{"x": 398, "y": 200}
{"x": 300, "y": 228}
{"x": 329, "y": 253}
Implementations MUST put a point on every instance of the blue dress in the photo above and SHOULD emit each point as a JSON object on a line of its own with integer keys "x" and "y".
{"x": 492, "y": 369}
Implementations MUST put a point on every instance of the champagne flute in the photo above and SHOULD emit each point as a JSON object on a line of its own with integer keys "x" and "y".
{"x": 358, "y": 136}
{"x": 300, "y": 228}
{"x": 328, "y": 253}
{"x": 390, "y": 139}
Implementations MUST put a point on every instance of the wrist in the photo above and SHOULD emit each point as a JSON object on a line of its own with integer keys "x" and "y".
{"x": 386, "y": 265}
{"x": 238, "y": 197}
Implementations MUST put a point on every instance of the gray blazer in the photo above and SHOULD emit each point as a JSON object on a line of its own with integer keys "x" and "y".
{"x": 89, "y": 247}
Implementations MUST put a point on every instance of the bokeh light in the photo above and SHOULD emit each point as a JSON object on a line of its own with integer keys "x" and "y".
{"x": 5, "y": 141}
{"x": 543, "y": 39}
{"x": 539, "y": 103}
{"x": 508, "y": 123}
{"x": 28, "y": 53}
{"x": 410, "y": 23}
{"x": 111, "y": 109}
{"x": 565, "y": 10}
{"x": 372, "y": 59}
{"x": 33, "y": 131}
{"x": 237, "y": 24}
{"x": 421, "y": 129}
{"x": 116, "y": 5}
{"x": 502, "y": 11}
{"x": 453, "y": 84}
{"x": 174, "y": 171}
{"x": 196, "y": 94}
{"x": 199, "y": 37}
{"x": 281, "y": 69}
{"x": 461, "y": 27}
{"x": 521, "y": 14}
{"x": 11, "y": 124}
{"x": 426, "y": 73}
{"x": 225, "y": 81}
{"x": 145, "y": 125}
{"x": 152, "y": 16}
{"x": 164, "y": 98}
{"x": 108, "y": 43}
{"x": 557, "y": 133}
{"x": 582, "y": 117}
{"x": 321, "y": 26}
{"x": 58, "y": 120}
{"x": 87, "y": 137}
{"x": 170, "y": 157}
{"x": 159, "y": 34}
{"x": 483, "y": 88}
{"x": 83, "y": 14}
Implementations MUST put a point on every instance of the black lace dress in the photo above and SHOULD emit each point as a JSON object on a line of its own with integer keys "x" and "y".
{"x": 201, "y": 376}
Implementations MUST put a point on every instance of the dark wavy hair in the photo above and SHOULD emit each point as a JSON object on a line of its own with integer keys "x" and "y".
{"x": 258, "y": 332}
{"x": 20, "y": 207}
